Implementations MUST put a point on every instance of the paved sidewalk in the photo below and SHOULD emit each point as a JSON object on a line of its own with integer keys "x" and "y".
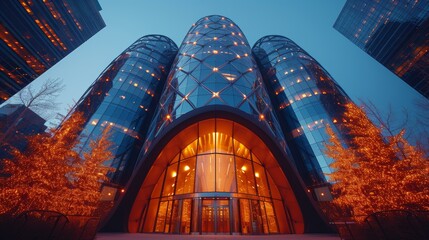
{"x": 132, "y": 236}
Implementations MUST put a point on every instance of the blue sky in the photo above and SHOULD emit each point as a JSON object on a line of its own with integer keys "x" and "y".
{"x": 308, "y": 23}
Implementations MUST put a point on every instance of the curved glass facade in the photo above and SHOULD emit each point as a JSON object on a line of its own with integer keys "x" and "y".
{"x": 124, "y": 96}
{"x": 214, "y": 185}
{"x": 214, "y": 66}
{"x": 306, "y": 99}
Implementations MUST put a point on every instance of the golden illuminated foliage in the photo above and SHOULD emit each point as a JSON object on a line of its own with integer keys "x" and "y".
{"x": 375, "y": 173}
{"x": 88, "y": 176}
{"x": 51, "y": 174}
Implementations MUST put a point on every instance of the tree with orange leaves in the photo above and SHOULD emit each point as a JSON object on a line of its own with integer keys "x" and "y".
{"x": 375, "y": 173}
{"x": 52, "y": 175}
{"x": 41, "y": 171}
{"x": 88, "y": 176}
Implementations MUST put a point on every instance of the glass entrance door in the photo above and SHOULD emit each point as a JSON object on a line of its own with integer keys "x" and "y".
{"x": 215, "y": 217}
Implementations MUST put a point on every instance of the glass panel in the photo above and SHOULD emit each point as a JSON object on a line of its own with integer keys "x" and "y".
{"x": 241, "y": 150}
{"x": 207, "y": 138}
{"x": 246, "y": 227}
{"x": 168, "y": 217}
{"x": 186, "y": 177}
{"x": 205, "y": 178}
{"x": 257, "y": 226}
{"x": 224, "y": 143}
{"x": 196, "y": 213}
{"x": 185, "y": 225}
{"x": 157, "y": 190}
{"x": 208, "y": 216}
{"x": 151, "y": 215}
{"x": 225, "y": 174}
{"x": 245, "y": 178}
{"x": 264, "y": 216}
{"x": 261, "y": 181}
{"x": 224, "y": 128}
{"x": 170, "y": 180}
{"x": 222, "y": 216}
{"x": 190, "y": 150}
{"x": 272, "y": 224}
{"x": 235, "y": 216}
{"x": 175, "y": 217}
{"x": 162, "y": 214}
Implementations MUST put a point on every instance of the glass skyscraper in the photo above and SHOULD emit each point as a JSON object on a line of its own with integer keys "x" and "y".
{"x": 395, "y": 33}
{"x": 35, "y": 35}
{"x": 214, "y": 137}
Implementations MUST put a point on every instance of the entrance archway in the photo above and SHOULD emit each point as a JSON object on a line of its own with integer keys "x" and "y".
{"x": 216, "y": 177}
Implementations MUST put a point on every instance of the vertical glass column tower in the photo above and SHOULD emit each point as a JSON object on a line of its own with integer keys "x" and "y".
{"x": 124, "y": 97}
{"x": 306, "y": 99}
{"x": 214, "y": 67}
{"x": 225, "y": 145}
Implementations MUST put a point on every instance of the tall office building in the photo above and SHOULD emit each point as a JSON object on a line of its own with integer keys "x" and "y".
{"x": 395, "y": 33}
{"x": 35, "y": 35}
{"x": 232, "y": 145}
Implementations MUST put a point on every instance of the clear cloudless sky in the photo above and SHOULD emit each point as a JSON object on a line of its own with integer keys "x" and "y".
{"x": 307, "y": 22}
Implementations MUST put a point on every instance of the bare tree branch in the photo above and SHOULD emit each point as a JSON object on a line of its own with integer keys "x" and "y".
{"x": 41, "y": 101}
{"x": 423, "y": 121}
{"x": 388, "y": 123}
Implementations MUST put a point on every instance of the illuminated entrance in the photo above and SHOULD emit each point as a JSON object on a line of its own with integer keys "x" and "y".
{"x": 215, "y": 184}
